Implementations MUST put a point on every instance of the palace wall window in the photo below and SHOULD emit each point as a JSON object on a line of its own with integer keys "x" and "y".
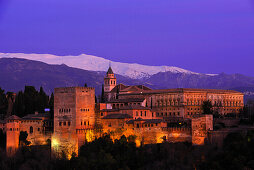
{"x": 31, "y": 129}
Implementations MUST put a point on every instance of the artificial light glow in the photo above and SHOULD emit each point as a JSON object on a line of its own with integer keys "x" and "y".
{"x": 54, "y": 143}
{"x": 176, "y": 135}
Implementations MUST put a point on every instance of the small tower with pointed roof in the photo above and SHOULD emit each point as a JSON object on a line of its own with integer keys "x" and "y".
{"x": 109, "y": 80}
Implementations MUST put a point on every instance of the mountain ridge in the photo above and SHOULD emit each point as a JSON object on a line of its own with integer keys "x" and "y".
{"x": 94, "y": 63}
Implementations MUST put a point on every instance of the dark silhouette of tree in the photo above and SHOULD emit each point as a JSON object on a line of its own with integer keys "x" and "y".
{"x": 207, "y": 107}
{"x": 102, "y": 94}
{"x": 51, "y": 105}
{"x": 19, "y": 105}
{"x": 31, "y": 101}
{"x": 151, "y": 102}
{"x": 2, "y": 139}
{"x": 23, "y": 139}
{"x": 43, "y": 101}
{"x": 3, "y": 102}
{"x": 117, "y": 92}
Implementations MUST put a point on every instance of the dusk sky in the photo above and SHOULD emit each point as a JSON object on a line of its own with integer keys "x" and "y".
{"x": 206, "y": 36}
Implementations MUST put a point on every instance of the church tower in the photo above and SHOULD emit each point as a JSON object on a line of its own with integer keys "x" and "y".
{"x": 109, "y": 83}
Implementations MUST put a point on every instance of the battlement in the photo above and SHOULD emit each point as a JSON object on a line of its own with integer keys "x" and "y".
{"x": 73, "y": 89}
{"x": 177, "y": 129}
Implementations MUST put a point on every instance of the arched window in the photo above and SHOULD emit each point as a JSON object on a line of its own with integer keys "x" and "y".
{"x": 31, "y": 129}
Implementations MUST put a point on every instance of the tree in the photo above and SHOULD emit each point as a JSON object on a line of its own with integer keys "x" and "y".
{"x": 30, "y": 101}
{"x": 3, "y": 102}
{"x": 19, "y": 105}
{"x": 85, "y": 85}
{"x": 151, "y": 102}
{"x": 102, "y": 94}
{"x": 207, "y": 107}
{"x": 43, "y": 101}
{"x": 2, "y": 139}
{"x": 117, "y": 92}
{"x": 51, "y": 105}
{"x": 23, "y": 139}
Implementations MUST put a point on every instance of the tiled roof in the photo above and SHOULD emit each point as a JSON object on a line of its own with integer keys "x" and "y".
{"x": 117, "y": 116}
{"x": 109, "y": 110}
{"x": 123, "y": 88}
{"x": 110, "y": 71}
{"x": 41, "y": 115}
{"x": 182, "y": 90}
{"x": 145, "y": 121}
{"x": 134, "y": 107}
{"x": 126, "y": 100}
{"x": 13, "y": 117}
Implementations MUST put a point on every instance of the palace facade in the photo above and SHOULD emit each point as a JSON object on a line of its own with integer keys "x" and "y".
{"x": 147, "y": 116}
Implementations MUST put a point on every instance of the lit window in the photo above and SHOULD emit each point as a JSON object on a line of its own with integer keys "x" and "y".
{"x": 31, "y": 129}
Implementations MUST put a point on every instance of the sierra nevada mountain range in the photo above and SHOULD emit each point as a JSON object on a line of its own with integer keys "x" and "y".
{"x": 93, "y": 63}
{"x": 16, "y": 72}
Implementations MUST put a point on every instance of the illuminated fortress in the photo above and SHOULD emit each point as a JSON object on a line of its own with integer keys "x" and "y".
{"x": 147, "y": 116}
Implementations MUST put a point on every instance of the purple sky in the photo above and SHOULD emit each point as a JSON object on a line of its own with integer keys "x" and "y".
{"x": 207, "y": 36}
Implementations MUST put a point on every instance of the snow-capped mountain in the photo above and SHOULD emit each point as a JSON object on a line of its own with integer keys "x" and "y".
{"x": 93, "y": 63}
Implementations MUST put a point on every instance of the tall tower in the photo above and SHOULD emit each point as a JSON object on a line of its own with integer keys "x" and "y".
{"x": 12, "y": 134}
{"x": 74, "y": 113}
{"x": 109, "y": 82}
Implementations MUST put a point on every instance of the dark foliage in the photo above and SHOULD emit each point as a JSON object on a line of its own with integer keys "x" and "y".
{"x": 2, "y": 139}
{"x": 207, "y": 107}
{"x": 23, "y": 139}
{"x": 3, "y": 102}
{"x": 31, "y": 101}
{"x": 236, "y": 153}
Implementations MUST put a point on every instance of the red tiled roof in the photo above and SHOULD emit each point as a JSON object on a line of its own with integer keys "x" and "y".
{"x": 182, "y": 90}
{"x": 134, "y": 107}
{"x": 124, "y": 88}
{"x": 13, "y": 117}
{"x": 145, "y": 120}
{"x": 117, "y": 116}
{"x": 126, "y": 100}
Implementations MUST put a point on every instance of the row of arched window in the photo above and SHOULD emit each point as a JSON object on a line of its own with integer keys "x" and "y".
{"x": 65, "y": 123}
{"x": 13, "y": 129}
{"x": 141, "y": 113}
{"x": 85, "y": 123}
{"x": 64, "y": 110}
{"x": 168, "y": 114}
{"x": 110, "y": 82}
{"x": 84, "y": 110}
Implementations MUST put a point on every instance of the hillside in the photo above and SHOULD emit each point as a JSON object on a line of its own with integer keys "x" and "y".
{"x": 16, "y": 73}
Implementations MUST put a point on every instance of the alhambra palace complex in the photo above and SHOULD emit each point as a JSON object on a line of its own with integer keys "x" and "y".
{"x": 151, "y": 116}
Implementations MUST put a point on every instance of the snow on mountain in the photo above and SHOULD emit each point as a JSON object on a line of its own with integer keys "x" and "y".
{"x": 93, "y": 63}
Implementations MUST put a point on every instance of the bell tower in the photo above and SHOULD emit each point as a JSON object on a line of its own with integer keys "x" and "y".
{"x": 109, "y": 80}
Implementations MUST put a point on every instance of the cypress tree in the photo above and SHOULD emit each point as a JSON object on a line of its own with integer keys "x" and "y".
{"x": 51, "y": 105}
{"x": 3, "y": 102}
{"x": 102, "y": 94}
